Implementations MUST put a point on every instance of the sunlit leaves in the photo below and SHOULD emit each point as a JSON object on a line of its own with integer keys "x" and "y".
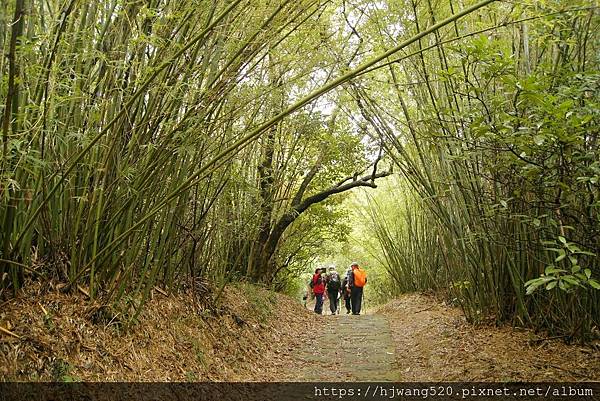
{"x": 569, "y": 278}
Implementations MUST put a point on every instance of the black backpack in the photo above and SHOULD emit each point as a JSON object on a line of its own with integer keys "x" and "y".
{"x": 334, "y": 282}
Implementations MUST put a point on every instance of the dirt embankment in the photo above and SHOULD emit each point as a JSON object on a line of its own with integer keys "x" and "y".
{"x": 418, "y": 338}
{"x": 257, "y": 335}
{"x": 61, "y": 337}
{"x": 435, "y": 343}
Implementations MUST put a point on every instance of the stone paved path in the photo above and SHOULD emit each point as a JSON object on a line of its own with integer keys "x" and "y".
{"x": 349, "y": 348}
{"x": 417, "y": 338}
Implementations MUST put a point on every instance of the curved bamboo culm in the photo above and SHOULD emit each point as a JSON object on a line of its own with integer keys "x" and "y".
{"x": 75, "y": 196}
{"x": 121, "y": 113}
{"x": 479, "y": 212}
{"x": 158, "y": 143}
{"x": 255, "y": 133}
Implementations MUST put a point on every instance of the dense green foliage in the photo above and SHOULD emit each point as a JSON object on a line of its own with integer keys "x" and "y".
{"x": 496, "y": 139}
{"x": 126, "y": 155}
{"x": 161, "y": 141}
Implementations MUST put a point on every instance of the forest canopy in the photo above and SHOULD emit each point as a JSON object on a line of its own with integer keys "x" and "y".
{"x": 150, "y": 142}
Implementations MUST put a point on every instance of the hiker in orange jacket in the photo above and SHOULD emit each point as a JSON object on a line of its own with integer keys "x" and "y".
{"x": 356, "y": 281}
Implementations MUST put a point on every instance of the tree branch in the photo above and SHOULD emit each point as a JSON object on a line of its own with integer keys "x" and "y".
{"x": 365, "y": 181}
{"x": 306, "y": 182}
{"x": 299, "y": 207}
{"x": 357, "y": 173}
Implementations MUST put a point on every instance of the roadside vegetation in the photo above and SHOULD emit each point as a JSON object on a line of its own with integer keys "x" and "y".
{"x": 186, "y": 145}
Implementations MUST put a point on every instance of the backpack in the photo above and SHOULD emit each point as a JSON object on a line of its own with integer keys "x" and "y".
{"x": 360, "y": 277}
{"x": 334, "y": 283}
{"x": 314, "y": 282}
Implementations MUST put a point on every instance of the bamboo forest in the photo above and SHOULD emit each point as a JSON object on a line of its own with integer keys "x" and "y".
{"x": 174, "y": 173}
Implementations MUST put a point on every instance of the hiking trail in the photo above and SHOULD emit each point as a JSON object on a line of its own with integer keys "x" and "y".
{"x": 414, "y": 338}
{"x": 419, "y": 338}
{"x": 349, "y": 348}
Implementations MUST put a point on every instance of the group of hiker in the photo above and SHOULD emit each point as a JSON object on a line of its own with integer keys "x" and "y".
{"x": 329, "y": 284}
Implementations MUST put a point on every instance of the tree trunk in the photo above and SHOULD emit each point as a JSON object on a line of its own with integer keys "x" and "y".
{"x": 265, "y": 174}
{"x": 265, "y": 262}
{"x": 10, "y": 118}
